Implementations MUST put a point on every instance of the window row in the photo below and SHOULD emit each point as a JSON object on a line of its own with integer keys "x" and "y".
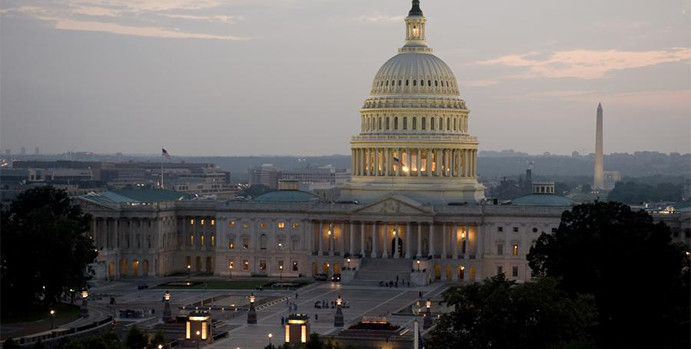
{"x": 440, "y": 123}
{"x": 212, "y": 222}
{"x": 202, "y": 240}
{"x": 264, "y": 242}
{"x": 280, "y": 266}
{"x": 264, "y": 225}
{"x": 515, "y": 229}
{"x": 514, "y": 270}
{"x": 414, "y": 82}
{"x": 500, "y": 249}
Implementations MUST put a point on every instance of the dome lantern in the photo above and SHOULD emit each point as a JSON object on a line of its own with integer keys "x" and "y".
{"x": 415, "y": 28}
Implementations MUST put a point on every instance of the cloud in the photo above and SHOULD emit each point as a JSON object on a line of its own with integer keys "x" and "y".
{"x": 154, "y": 32}
{"x": 587, "y": 64}
{"x": 477, "y": 83}
{"x": 133, "y": 17}
{"x": 377, "y": 18}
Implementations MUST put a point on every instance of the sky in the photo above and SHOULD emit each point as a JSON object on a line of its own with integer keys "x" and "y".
{"x": 253, "y": 77}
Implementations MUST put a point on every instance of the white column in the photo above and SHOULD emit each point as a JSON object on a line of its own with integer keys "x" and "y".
{"x": 454, "y": 232}
{"x": 351, "y": 240}
{"x": 362, "y": 239}
{"x": 444, "y": 238}
{"x": 374, "y": 240}
{"x": 419, "y": 240}
{"x": 466, "y": 230}
{"x": 396, "y": 237}
{"x": 385, "y": 243}
{"x": 408, "y": 239}
{"x": 320, "y": 234}
{"x": 431, "y": 239}
{"x": 418, "y": 162}
{"x": 429, "y": 163}
{"x": 331, "y": 237}
{"x": 342, "y": 238}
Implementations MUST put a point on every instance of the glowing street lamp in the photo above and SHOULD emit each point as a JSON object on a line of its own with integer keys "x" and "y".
{"x": 167, "y": 315}
{"x": 230, "y": 270}
{"x": 83, "y": 309}
{"x": 189, "y": 271}
{"x": 280, "y": 268}
{"x": 252, "y": 313}
{"x": 338, "y": 319}
{"x": 270, "y": 335}
{"x": 427, "y": 320}
{"x": 52, "y": 319}
{"x": 418, "y": 265}
{"x": 348, "y": 262}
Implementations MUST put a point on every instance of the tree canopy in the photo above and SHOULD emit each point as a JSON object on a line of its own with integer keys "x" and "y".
{"x": 639, "y": 278}
{"x": 499, "y": 313}
{"x": 44, "y": 248}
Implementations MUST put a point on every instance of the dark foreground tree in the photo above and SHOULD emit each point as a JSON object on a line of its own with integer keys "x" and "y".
{"x": 498, "y": 313}
{"x": 44, "y": 248}
{"x": 638, "y": 276}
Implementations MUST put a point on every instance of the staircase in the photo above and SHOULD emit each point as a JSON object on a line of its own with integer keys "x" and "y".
{"x": 374, "y": 270}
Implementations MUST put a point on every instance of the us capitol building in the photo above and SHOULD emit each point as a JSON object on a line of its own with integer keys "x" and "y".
{"x": 413, "y": 206}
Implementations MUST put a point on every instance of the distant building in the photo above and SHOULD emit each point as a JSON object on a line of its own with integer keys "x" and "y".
{"x": 265, "y": 174}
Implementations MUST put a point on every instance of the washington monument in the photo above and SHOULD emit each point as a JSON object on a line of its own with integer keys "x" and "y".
{"x": 598, "y": 181}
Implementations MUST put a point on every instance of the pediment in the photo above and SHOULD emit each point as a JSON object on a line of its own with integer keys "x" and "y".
{"x": 395, "y": 205}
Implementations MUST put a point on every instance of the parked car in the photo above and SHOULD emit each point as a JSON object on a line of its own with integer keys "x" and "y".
{"x": 321, "y": 277}
{"x": 336, "y": 277}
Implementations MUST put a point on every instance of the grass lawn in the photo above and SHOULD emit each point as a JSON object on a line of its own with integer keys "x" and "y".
{"x": 36, "y": 319}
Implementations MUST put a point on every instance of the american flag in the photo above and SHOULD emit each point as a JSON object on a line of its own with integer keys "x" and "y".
{"x": 164, "y": 153}
{"x": 397, "y": 161}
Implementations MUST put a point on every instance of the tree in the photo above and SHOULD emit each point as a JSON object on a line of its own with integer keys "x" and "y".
{"x": 498, "y": 313}
{"x": 638, "y": 277}
{"x": 44, "y": 248}
{"x": 136, "y": 339}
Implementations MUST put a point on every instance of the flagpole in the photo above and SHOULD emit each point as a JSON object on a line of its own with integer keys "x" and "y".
{"x": 161, "y": 171}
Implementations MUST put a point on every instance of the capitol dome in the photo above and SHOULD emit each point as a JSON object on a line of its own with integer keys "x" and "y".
{"x": 414, "y": 138}
{"x": 417, "y": 73}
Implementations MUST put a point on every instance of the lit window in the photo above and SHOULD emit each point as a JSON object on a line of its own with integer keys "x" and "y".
{"x": 245, "y": 243}
{"x": 500, "y": 249}
{"x": 213, "y": 222}
{"x": 191, "y": 239}
{"x": 281, "y": 225}
{"x": 262, "y": 264}
{"x": 280, "y": 264}
{"x": 514, "y": 250}
{"x": 202, "y": 239}
{"x": 296, "y": 225}
{"x": 245, "y": 225}
{"x": 514, "y": 271}
{"x": 201, "y": 221}
{"x": 191, "y": 221}
{"x": 231, "y": 223}
{"x": 262, "y": 225}
{"x": 295, "y": 265}
{"x": 213, "y": 240}
{"x": 245, "y": 264}
{"x": 231, "y": 245}
{"x": 232, "y": 265}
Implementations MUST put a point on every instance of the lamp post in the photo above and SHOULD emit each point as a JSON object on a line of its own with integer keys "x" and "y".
{"x": 252, "y": 313}
{"x": 338, "y": 319}
{"x": 189, "y": 271}
{"x": 270, "y": 335}
{"x": 348, "y": 262}
{"x": 167, "y": 316}
{"x": 83, "y": 309}
{"x": 52, "y": 319}
{"x": 416, "y": 335}
{"x": 427, "y": 320}
{"x": 280, "y": 268}
{"x": 230, "y": 270}
{"x": 198, "y": 335}
{"x": 418, "y": 265}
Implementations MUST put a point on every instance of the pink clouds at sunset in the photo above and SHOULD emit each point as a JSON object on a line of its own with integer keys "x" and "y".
{"x": 587, "y": 64}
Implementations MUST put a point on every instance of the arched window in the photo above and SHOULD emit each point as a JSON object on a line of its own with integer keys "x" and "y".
{"x": 387, "y": 122}
{"x": 395, "y": 123}
{"x": 455, "y": 124}
{"x": 429, "y": 82}
{"x": 436, "y": 83}
{"x": 399, "y": 82}
{"x": 431, "y": 124}
{"x": 231, "y": 242}
{"x": 405, "y": 122}
{"x": 379, "y": 128}
{"x": 414, "y": 123}
{"x": 424, "y": 123}
{"x": 387, "y": 82}
{"x": 263, "y": 241}
{"x": 414, "y": 82}
{"x": 393, "y": 82}
{"x": 448, "y": 124}
{"x": 422, "y": 82}
{"x": 406, "y": 82}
